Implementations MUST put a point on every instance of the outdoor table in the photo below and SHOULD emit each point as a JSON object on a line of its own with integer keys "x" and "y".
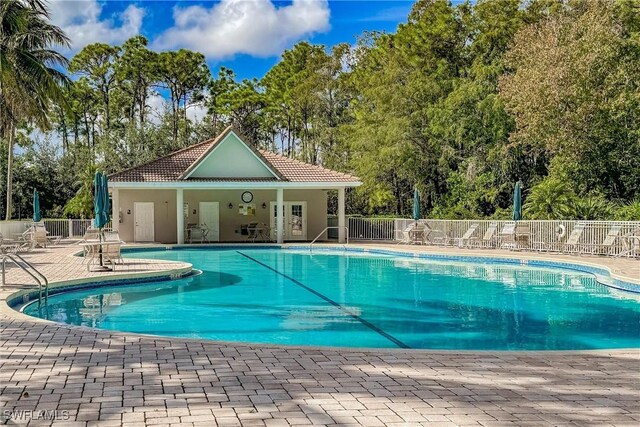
{"x": 259, "y": 232}
{"x": 93, "y": 249}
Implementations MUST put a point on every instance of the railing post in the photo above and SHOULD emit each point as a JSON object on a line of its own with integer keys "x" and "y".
{"x": 341, "y": 218}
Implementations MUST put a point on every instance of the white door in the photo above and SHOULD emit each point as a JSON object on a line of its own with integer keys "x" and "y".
{"x": 144, "y": 221}
{"x": 295, "y": 220}
{"x": 210, "y": 216}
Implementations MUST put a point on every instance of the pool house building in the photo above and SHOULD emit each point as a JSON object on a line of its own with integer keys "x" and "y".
{"x": 228, "y": 187}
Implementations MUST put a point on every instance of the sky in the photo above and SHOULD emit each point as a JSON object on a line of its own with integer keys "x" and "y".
{"x": 247, "y": 36}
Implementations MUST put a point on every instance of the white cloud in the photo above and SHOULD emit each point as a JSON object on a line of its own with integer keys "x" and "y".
{"x": 196, "y": 112}
{"x": 158, "y": 106}
{"x": 254, "y": 27}
{"x": 83, "y": 23}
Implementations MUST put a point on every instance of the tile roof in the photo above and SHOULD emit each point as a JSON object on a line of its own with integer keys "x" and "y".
{"x": 174, "y": 166}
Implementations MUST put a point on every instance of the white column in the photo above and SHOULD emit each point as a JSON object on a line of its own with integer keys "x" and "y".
{"x": 342, "y": 235}
{"x": 180, "y": 215}
{"x": 280, "y": 215}
{"x": 115, "y": 209}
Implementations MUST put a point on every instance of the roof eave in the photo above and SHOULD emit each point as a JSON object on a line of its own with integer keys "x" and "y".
{"x": 233, "y": 184}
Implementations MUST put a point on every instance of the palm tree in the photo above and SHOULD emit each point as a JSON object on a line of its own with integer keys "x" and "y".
{"x": 29, "y": 79}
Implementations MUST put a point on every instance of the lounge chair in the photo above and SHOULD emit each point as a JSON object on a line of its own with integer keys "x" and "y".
{"x": 611, "y": 238}
{"x": 50, "y": 239}
{"x": 507, "y": 236}
{"x": 437, "y": 237}
{"x": 8, "y": 245}
{"x": 573, "y": 244}
{"x": 467, "y": 236}
{"x": 489, "y": 237}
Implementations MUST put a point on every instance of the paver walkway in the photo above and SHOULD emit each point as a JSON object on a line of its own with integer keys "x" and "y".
{"x": 98, "y": 378}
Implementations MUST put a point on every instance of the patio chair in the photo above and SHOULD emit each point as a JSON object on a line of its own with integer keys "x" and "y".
{"x": 522, "y": 235}
{"x": 91, "y": 234}
{"x": 39, "y": 237}
{"x": 113, "y": 252}
{"x": 198, "y": 233}
{"x": 467, "y": 236}
{"x": 631, "y": 244}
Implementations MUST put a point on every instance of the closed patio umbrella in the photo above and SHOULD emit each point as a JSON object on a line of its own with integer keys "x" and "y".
{"x": 100, "y": 202}
{"x": 517, "y": 202}
{"x": 36, "y": 206}
{"x": 416, "y": 204}
{"x": 105, "y": 195}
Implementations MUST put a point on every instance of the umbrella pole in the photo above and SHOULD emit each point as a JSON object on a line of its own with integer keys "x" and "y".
{"x": 100, "y": 249}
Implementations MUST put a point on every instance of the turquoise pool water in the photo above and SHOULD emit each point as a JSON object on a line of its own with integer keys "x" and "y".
{"x": 360, "y": 300}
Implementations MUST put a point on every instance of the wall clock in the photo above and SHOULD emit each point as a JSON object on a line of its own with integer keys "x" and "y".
{"x": 247, "y": 197}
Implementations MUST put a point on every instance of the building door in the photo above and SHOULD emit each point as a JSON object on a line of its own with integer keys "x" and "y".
{"x": 210, "y": 216}
{"x": 144, "y": 222}
{"x": 295, "y": 220}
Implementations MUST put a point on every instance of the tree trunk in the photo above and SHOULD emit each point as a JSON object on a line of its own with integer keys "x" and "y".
{"x": 10, "y": 175}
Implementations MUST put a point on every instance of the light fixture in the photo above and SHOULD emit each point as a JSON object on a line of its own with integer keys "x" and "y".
{"x": 264, "y": 205}
{"x": 230, "y": 205}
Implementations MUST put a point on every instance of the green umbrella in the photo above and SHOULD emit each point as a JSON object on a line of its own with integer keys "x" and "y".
{"x": 100, "y": 208}
{"x": 36, "y": 207}
{"x": 416, "y": 204}
{"x": 517, "y": 202}
{"x": 99, "y": 202}
{"x": 105, "y": 190}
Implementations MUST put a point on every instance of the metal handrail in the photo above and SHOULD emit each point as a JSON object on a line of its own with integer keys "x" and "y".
{"x": 19, "y": 261}
{"x": 329, "y": 228}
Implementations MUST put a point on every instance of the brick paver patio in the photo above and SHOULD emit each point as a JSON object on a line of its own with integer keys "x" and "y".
{"x": 99, "y": 378}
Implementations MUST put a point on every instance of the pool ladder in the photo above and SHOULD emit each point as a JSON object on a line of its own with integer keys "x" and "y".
{"x": 329, "y": 228}
{"x": 40, "y": 279}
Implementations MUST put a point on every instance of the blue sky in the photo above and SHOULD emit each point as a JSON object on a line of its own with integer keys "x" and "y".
{"x": 247, "y": 36}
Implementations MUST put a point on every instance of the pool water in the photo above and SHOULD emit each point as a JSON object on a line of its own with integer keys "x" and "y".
{"x": 360, "y": 300}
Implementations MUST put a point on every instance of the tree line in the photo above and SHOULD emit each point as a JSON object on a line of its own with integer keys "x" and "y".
{"x": 460, "y": 102}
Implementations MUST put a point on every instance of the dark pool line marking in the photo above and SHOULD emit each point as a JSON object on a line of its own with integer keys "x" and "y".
{"x": 332, "y": 302}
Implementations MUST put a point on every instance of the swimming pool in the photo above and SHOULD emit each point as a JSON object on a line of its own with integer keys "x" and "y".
{"x": 356, "y": 299}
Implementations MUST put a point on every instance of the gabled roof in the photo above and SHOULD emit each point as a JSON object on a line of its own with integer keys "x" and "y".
{"x": 179, "y": 165}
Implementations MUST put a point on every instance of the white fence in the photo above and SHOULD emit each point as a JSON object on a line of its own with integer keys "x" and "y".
{"x": 65, "y": 228}
{"x": 541, "y": 235}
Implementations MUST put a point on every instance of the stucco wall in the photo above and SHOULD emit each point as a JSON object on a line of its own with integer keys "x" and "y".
{"x": 230, "y": 219}
{"x": 164, "y": 213}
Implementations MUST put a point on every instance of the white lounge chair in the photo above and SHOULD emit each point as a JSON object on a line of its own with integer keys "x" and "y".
{"x": 573, "y": 243}
{"x": 489, "y": 237}
{"x": 507, "y": 236}
{"x": 611, "y": 238}
{"x": 467, "y": 236}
